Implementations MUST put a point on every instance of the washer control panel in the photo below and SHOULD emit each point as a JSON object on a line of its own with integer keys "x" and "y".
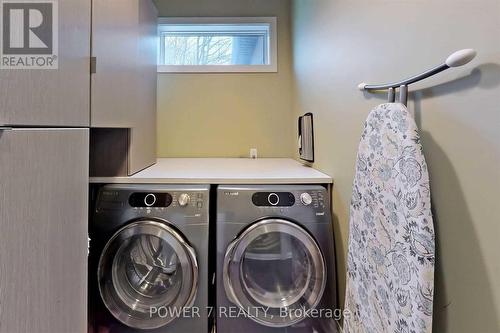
{"x": 164, "y": 200}
{"x": 177, "y": 204}
{"x": 195, "y": 200}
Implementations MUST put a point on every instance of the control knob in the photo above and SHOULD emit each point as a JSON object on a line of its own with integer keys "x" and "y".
{"x": 184, "y": 200}
{"x": 306, "y": 199}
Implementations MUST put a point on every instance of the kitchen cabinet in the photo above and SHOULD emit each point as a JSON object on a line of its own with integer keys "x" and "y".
{"x": 123, "y": 93}
{"x": 57, "y": 97}
{"x": 43, "y": 230}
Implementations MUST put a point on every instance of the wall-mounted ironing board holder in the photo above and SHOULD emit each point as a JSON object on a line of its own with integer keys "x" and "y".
{"x": 403, "y": 94}
{"x": 456, "y": 59}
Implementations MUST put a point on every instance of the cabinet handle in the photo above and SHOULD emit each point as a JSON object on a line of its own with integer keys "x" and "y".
{"x": 93, "y": 65}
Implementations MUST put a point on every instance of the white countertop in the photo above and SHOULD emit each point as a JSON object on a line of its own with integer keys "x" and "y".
{"x": 223, "y": 171}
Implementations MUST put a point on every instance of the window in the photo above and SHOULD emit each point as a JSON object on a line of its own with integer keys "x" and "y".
{"x": 241, "y": 44}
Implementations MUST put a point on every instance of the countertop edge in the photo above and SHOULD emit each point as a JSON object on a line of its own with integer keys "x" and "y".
{"x": 212, "y": 171}
{"x": 212, "y": 181}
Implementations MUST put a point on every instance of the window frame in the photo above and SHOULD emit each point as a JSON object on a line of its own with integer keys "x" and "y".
{"x": 273, "y": 45}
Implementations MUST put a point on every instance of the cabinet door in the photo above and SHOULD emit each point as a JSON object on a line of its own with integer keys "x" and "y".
{"x": 142, "y": 150}
{"x": 125, "y": 82}
{"x": 43, "y": 230}
{"x": 114, "y": 44}
{"x": 55, "y": 97}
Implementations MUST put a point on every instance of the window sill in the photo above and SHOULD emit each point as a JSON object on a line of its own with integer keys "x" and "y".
{"x": 218, "y": 69}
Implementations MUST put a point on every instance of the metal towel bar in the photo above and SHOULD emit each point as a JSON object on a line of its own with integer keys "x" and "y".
{"x": 456, "y": 59}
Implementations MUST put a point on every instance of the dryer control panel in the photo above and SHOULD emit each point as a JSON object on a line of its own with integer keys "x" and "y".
{"x": 144, "y": 199}
{"x": 273, "y": 199}
{"x": 305, "y": 204}
{"x": 314, "y": 199}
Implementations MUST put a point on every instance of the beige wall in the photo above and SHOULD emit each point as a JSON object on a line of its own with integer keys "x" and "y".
{"x": 224, "y": 115}
{"x": 338, "y": 44}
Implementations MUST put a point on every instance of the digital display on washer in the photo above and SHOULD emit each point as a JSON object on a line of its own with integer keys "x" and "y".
{"x": 157, "y": 200}
{"x": 273, "y": 199}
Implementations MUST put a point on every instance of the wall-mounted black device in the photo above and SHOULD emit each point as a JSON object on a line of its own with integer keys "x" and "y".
{"x": 306, "y": 137}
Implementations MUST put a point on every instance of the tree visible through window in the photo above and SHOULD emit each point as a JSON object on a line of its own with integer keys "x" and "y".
{"x": 198, "y": 50}
{"x": 215, "y": 44}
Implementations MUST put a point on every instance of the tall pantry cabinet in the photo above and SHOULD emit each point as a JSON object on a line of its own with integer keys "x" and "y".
{"x": 46, "y": 125}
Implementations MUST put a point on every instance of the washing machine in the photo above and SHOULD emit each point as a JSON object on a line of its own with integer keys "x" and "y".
{"x": 275, "y": 260}
{"x": 148, "y": 260}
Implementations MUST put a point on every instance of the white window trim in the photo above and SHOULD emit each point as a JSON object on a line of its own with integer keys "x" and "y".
{"x": 273, "y": 46}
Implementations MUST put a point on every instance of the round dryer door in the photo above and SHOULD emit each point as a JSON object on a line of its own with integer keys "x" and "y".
{"x": 275, "y": 270}
{"x": 146, "y": 273}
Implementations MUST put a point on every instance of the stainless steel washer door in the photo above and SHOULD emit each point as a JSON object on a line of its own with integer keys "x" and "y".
{"x": 276, "y": 271}
{"x": 147, "y": 274}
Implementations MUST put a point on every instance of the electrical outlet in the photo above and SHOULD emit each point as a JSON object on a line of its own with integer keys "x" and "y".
{"x": 253, "y": 153}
